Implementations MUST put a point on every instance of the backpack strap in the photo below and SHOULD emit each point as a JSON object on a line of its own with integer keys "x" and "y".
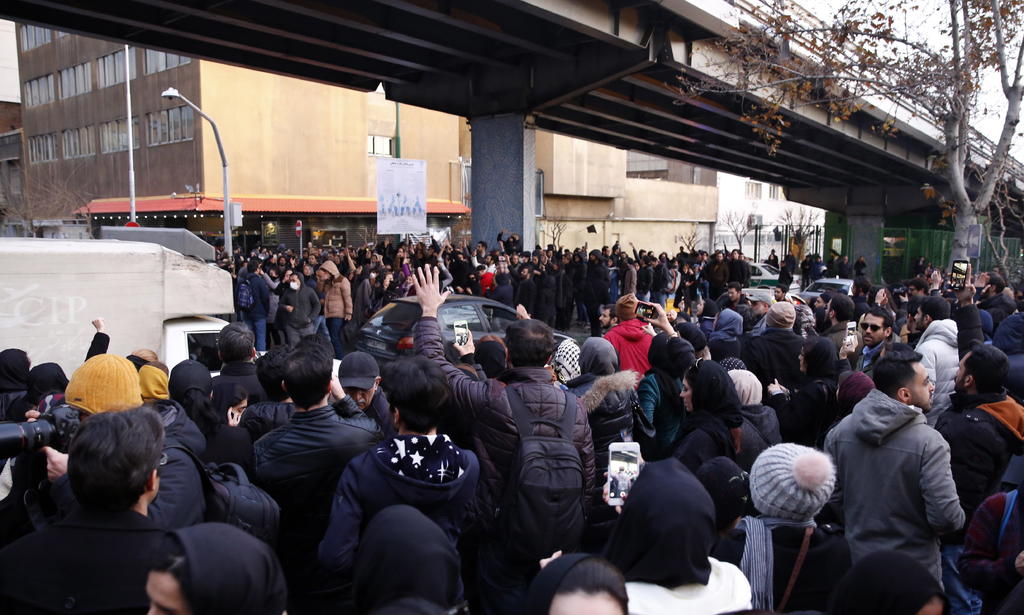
{"x": 1008, "y": 506}
{"x": 526, "y": 420}
{"x": 204, "y": 473}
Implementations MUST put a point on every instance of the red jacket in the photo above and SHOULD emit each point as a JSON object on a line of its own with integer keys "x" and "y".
{"x": 632, "y": 343}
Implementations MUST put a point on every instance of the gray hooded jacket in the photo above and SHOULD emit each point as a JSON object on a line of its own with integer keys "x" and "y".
{"x": 894, "y": 483}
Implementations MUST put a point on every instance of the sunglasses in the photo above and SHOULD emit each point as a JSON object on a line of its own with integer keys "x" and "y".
{"x": 864, "y": 326}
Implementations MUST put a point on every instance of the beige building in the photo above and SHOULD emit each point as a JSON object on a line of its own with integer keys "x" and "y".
{"x": 301, "y": 150}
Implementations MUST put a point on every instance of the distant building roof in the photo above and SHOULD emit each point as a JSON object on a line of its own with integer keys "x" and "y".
{"x": 258, "y": 204}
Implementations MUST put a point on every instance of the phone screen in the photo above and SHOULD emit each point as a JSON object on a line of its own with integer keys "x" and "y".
{"x": 958, "y": 274}
{"x": 461, "y": 330}
{"x": 623, "y": 468}
{"x": 645, "y": 310}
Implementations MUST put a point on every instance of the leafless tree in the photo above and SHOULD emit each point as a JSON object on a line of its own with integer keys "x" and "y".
{"x": 927, "y": 60}
{"x": 736, "y": 223}
{"x": 554, "y": 227}
{"x": 46, "y": 193}
{"x": 688, "y": 241}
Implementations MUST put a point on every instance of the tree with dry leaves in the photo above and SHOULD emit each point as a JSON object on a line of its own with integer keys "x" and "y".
{"x": 907, "y": 58}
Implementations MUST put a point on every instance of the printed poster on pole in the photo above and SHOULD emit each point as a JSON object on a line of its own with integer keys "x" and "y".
{"x": 401, "y": 196}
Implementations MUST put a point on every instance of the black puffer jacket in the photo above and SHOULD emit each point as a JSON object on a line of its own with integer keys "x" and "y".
{"x": 299, "y": 464}
{"x": 983, "y": 432}
{"x": 483, "y": 408}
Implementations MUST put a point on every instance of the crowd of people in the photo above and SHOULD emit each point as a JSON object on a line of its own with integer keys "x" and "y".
{"x": 850, "y": 454}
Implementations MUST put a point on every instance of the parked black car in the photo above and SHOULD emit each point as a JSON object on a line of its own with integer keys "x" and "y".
{"x": 388, "y": 334}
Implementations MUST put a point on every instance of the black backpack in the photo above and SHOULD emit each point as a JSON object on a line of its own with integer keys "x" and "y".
{"x": 542, "y": 509}
{"x": 232, "y": 499}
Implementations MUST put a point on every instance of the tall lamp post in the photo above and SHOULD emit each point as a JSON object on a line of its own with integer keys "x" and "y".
{"x": 174, "y": 93}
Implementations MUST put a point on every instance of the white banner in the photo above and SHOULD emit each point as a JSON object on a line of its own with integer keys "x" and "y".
{"x": 401, "y": 196}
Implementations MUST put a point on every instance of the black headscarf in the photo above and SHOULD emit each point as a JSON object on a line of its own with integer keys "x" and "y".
{"x": 43, "y": 379}
{"x": 667, "y": 528}
{"x": 670, "y": 359}
{"x": 404, "y": 554}
{"x": 14, "y": 367}
{"x": 886, "y": 582}
{"x": 545, "y": 585}
{"x": 492, "y": 356}
{"x": 692, "y": 333}
{"x": 189, "y": 375}
{"x": 714, "y": 391}
{"x": 230, "y": 572}
{"x": 820, "y": 358}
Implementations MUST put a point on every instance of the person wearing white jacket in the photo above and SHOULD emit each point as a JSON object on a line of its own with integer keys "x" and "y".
{"x": 938, "y": 351}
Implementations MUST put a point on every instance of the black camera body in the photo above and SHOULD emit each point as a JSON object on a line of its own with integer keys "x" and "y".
{"x": 55, "y": 428}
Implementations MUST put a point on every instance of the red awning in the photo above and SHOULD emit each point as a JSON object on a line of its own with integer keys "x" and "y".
{"x": 258, "y": 204}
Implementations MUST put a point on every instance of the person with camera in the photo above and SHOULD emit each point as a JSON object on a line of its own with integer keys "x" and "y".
{"x": 95, "y": 560}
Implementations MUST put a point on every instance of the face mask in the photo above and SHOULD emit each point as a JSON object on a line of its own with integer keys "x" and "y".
{"x": 294, "y": 285}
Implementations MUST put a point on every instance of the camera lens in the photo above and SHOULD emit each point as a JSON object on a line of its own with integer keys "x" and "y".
{"x": 18, "y": 437}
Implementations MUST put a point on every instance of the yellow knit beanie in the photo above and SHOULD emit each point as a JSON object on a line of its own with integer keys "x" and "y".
{"x": 104, "y": 383}
{"x": 153, "y": 382}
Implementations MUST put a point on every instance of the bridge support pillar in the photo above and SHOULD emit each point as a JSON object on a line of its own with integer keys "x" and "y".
{"x": 866, "y": 241}
{"x": 504, "y": 178}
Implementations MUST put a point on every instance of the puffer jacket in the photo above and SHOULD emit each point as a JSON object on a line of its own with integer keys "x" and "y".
{"x": 893, "y": 481}
{"x": 632, "y": 343}
{"x": 940, "y": 359}
{"x": 337, "y": 293}
{"x": 299, "y": 464}
{"x": 483, "y": 408}
{"x": 1009, "y": 338}
{"x": 983, "y": 431}
{"x": 760, "y": 430}
{"x": 609, "y": 402}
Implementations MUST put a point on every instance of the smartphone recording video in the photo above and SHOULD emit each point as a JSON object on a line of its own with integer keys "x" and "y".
{"x": 958, "y": 274}
{"x": 646, "y": 310}
{"x": 461, "y": 330}
{"x": 623, "y": 468}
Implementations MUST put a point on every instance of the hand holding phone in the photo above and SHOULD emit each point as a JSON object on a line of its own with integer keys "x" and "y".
{"x": 461, "y": 330}
{"x": 623, "y": 468}
{"x": 958, "y": 274}
{"x": 645, "y": 310}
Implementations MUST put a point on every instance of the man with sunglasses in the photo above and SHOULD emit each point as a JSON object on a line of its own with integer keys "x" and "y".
{"x": 876, "y": 332}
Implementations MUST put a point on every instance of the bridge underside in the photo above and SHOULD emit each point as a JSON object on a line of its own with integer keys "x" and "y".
{"x": 604, "y": 70}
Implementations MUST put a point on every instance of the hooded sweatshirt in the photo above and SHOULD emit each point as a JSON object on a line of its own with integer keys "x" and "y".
{"x": 429, "y": 473}
{"x": 939, "y": 358}
{"x": 305, "y": 302}
{"x": 14, "y": 369}
{"x": 632, "y": 343}
{"x": 337, "y": 293}
{"x": 893, "y": 481}
{"x": 724, "y": 341}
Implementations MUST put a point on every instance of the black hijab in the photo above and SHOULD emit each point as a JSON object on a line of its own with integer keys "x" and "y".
{"x": 886, "y": 582}
{"x": 667, "y": 528}
{"x": 820, "y": 358}
{"x": 492, "y": 356}
{"x": 545, "y": 585}
{"x": 403, "y": 554}
{"x": 230, "y": 572}
{"x": 186, "y": 376}
{"x": 714, "y": 391}
{"x": 14, "y": 368}
{"x": 43, "y": 379}
{"x": 670, "y": 359}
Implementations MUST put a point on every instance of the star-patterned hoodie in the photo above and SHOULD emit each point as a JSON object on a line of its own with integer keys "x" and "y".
{"x": 429, "y": 473}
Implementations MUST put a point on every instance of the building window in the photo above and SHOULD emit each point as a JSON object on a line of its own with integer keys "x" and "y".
{"x": 157, "y": 61}
{"x": 379, "y": 146}
{"x": 114, "y": 136}
{"x": 39, "y": 91}
{"x": 34, "y": 36}
{"x": 79, "y": 142}
{"x": 42, "y": 148}
{"x": 752, "y": 191}
{"x": 170, "y": 126}
{"x": 775, "y": 193}
{"x": 110, "y": 68}
{"x": 76, "y": 80}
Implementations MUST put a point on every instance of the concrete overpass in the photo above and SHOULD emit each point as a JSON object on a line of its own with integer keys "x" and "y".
{"x": 604, "y": 70}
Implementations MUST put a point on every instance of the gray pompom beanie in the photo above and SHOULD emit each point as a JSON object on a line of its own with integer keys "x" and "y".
{"x": 792, "y": 482}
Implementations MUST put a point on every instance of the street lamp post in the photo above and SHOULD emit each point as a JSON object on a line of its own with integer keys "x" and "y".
{"x": 174, "y": 93}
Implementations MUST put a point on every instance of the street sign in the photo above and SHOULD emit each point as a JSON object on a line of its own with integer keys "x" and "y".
{"x": 132, "y": 224}
{"x": 236, "y": 214}
{"x": 298, "y": 229}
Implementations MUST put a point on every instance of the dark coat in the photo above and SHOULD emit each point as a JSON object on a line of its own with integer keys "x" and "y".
{"x": 775, "y": 354}
{"x": 368, "y": 486}
{"x": 299, "y": 465}
{"x": 483, "y": 408}
{"x": 91, "y": 562}
{"x": 243, "y": 373}
{"x": 305, "y": 302}
{"x": 805, "y": 417}
{"x": 266, "y": 416}
{"x": 260, "y": 296}
{"x": 230, "y": 445}
{"x": 1009, "y": 338}
{"x": 598, "y": 282}
{"x": 983, "y": 432}
{"x": 999, "y": 306}
{"x": 828, "y": 559}
{"x": 526, "y": 294}
{"x": 760, "y": 431}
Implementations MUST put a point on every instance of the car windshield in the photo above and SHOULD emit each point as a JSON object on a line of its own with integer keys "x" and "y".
{"x": 202, "y": 347}
{"x": 450, "y": 313}
{"x": 399, "y": 315}
{"x": 769, "y": 269}
{"x": 827, "y": 286}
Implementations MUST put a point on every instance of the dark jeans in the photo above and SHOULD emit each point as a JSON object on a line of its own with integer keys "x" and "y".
{"x": 503, "y": 581}
{"x": 259, "y": 329}
{"x": 594, "y": 314}
{"x": 335, "y": 327}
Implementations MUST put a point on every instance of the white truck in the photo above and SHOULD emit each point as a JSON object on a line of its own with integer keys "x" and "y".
{"x": 149, "y": 296}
